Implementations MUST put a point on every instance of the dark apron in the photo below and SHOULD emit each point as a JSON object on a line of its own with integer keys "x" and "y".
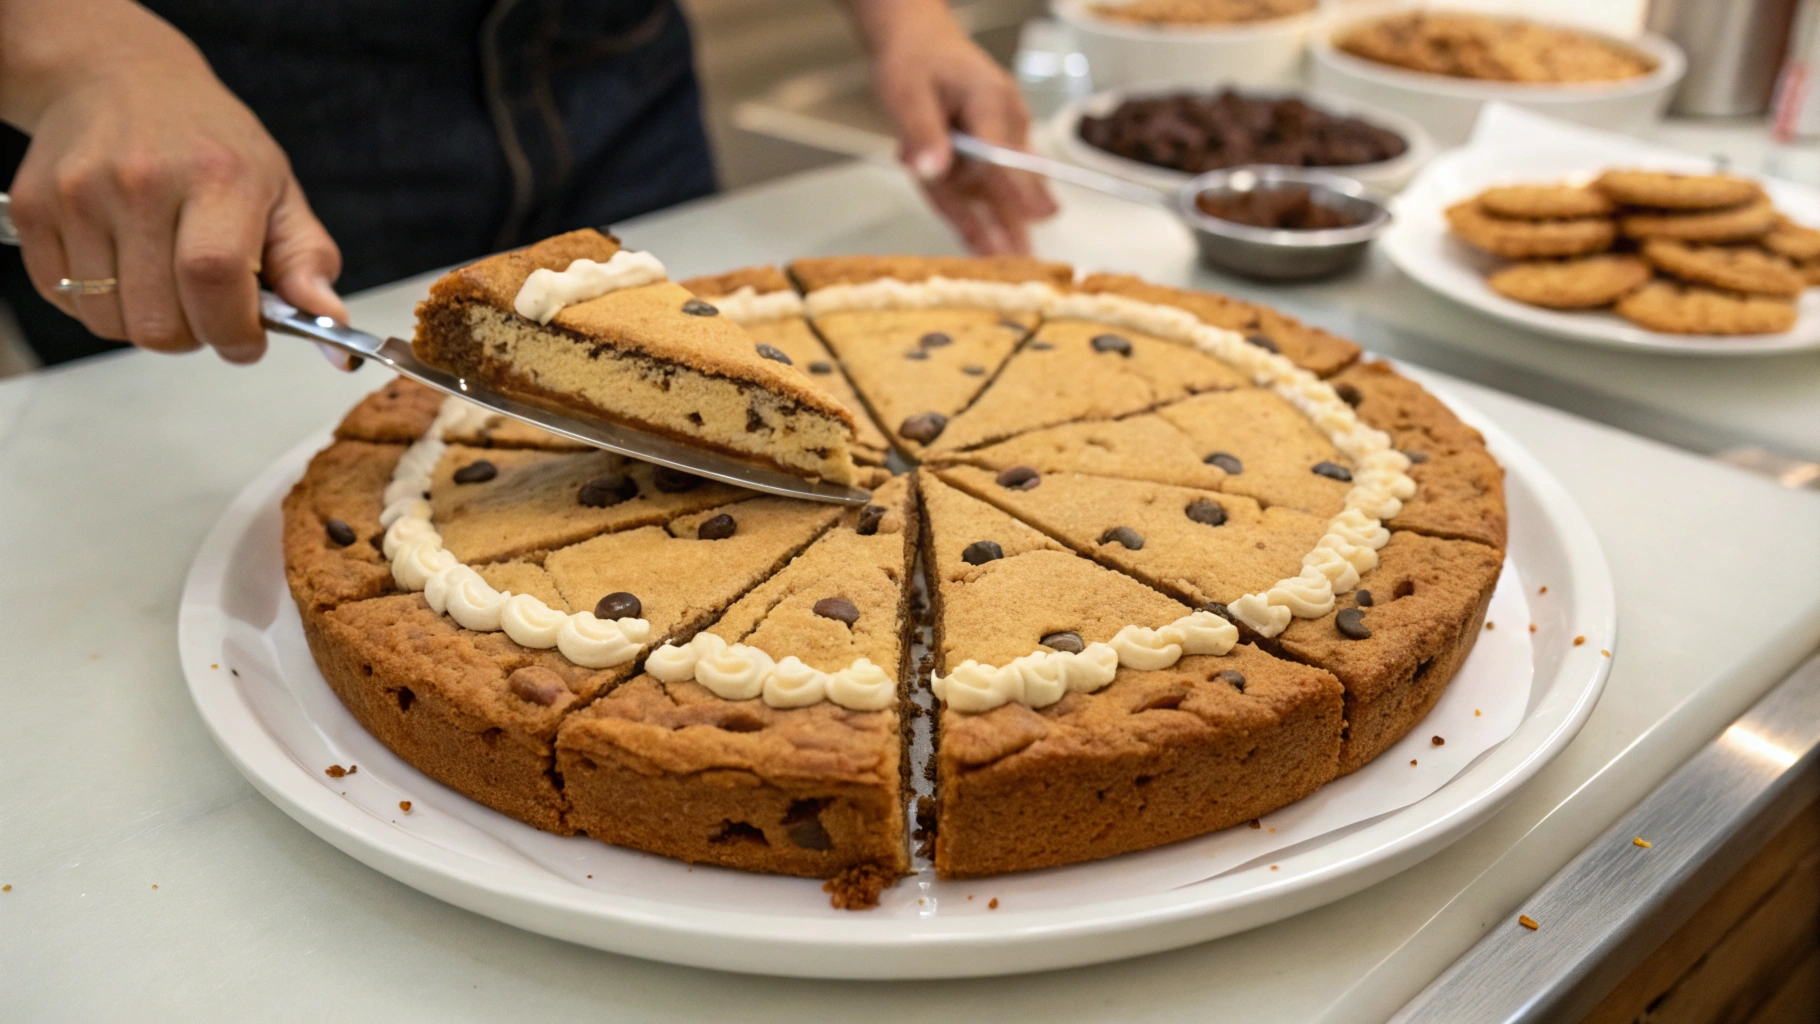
{"x": 427, "y": 132}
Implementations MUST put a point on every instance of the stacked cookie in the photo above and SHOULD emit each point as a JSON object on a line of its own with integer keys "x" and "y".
{"x": 1681, "y": 254}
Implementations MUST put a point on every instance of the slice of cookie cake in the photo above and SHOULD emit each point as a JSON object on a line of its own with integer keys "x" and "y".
{"x": 577, "y": 324}
{"x": 773, "y": 741}
{"x": 762, "y": 300}
{"x": 1040, "y": 764}
{"x": 469, "y": 687}
{"x": 918, "y": 353}
{"x": 1076, "y": 370}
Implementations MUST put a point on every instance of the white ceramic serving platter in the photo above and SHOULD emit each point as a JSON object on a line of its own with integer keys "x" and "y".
{"x": 258, "y": 691}
{"x": 1061, "y": 135}
{"x": 1515, "y": 146}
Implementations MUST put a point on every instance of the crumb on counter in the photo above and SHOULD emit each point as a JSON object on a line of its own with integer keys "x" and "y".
{"x": 993, "y": 905}
{"x": 1476, "y": 713}
{"x": 1490, "y": 624}
{"x": 1412, "y": 762}
{"x": 1640, "y": 841}
{"x": 1255, "y": 823}
{"x": 1579, "y": 640}
{"x": 1528, "y": 922}
{"x": 1543, "y": 590}
{"x": 1532, "y": 627}
{"x": 336, "y": 771}
{"x": 405, "y": 806}
{"x": 1438, "y": 741}
{"x": 1605, "y": 652}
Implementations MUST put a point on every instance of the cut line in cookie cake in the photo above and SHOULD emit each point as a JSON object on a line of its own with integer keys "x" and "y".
{"x": 1186, "y": 560}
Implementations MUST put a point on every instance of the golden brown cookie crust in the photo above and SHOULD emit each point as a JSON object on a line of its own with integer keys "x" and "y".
{"x": 1693, "y": 309}
{"x": 1527, "y": 239}
{"x": 1545, "y": 202}
{"x": 1792, "y": 241}
{"x": 1669, "y": 191}
{"x": 1735, "y": 268}
{"x": 1743, "y": 223}
{"x": 1309, "y": 347}
{"x": 815, "y": 273}
{"x": 1583, "y": 283}
{"x": 761, "y": 279}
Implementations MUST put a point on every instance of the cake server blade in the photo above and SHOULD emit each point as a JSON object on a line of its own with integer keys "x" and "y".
{"x": 279, "y": 315}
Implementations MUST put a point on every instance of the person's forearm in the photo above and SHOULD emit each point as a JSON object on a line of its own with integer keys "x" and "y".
{"x": 50, "y": 47}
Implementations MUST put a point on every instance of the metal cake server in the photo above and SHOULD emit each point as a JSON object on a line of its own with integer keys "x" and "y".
{"x": 279, "y": 315}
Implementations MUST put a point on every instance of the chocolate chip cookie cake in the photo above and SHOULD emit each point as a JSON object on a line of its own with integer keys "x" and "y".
{"x": 1162, "y": 562}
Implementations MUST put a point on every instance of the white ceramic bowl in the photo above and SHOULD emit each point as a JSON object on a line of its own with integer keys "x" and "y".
{"x": 1449, "y": 106}
{"x": 1248, "y": 53}
{"x": 1382, "y": 178}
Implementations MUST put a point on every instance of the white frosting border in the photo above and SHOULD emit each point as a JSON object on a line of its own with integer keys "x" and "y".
{"x": 1347, "y": 549}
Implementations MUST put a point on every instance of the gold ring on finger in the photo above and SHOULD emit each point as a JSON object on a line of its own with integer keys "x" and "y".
{"x": 90, "y": 286}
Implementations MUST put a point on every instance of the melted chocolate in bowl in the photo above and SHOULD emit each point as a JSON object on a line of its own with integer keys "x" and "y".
{"x": 1197, "y": 133}
{"x": 1289, "y": 207}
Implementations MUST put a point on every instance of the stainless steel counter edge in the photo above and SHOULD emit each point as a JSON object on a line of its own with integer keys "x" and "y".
{"x": 1603, "y": 913}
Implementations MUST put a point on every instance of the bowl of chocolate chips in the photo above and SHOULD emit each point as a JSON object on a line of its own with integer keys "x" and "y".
{"x": 1162, "y": 135}
{"x": 1280, "y": 223}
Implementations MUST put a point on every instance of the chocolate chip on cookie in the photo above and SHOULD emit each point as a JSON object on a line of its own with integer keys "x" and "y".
{"x": 1123, "y": 535}
{"x": 1010, "y": 325}
{"x": 1067, "y": 641}
{"x": 1264, "y": 342}
{"x": 696, "y": 307}
{"x": 537, "y": 685}
{"x": 607, "y": 491}
{"x": 917, "y": 354}
{"x": 1018, "y": 478}
{"x": 935, "y": 339}
{"x": 341, "y": 533}
{"x": 1042, "y": 346}
{"x": 1226, "y": 461}
{"x": 1333, "y": 471}
{"x": 1234, "y": 678}
{"x": 982, "y": 551}
{"x": 837, "y": 608}
{"x": 924, "y": 427}
{"x": 619, "y": 605}
{"x": 1206, "y": 511}
{"x": 1111, "y": 343}
{"x": 718, "y": 528}
{"x": 675, "y": 481}
{"x": 1348, "y": 394}
{"x": 821, "y": 367}
{"x": 1362, "y": 598}
{"x": 1351, "y": 624}
{"x": 775, "y": 354}
{"x": 869, "y": 518}
{"x": 476, "y": 472}
{"x": 974, "y": 370}
{"x": 1219, "y": 609}
{"x": 1416, "y": 458}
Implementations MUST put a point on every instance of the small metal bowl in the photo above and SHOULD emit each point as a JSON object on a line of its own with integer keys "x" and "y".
{"x": 1281, "y": 254}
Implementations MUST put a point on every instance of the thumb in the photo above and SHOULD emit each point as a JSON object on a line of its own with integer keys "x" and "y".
{"x": 301, "y": 263}
{"x": 922, "y": 126}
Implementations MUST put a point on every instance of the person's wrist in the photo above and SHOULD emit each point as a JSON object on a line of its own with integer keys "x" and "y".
{"x": 105, "y": 44}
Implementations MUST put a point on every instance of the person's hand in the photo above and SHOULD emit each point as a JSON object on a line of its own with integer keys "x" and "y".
{"x": 931, "y": 78}
{"x": 144, "y": 168}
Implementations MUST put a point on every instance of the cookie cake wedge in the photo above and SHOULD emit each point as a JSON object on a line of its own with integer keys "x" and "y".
{"x": 580, "y": 325}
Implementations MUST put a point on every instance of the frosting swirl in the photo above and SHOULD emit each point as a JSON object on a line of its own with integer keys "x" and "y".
{"x": 545, "y": 292}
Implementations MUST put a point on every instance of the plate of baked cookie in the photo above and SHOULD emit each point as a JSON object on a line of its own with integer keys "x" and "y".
{"x": 1603, "y": 239}
{"x": 1168, "y": 616}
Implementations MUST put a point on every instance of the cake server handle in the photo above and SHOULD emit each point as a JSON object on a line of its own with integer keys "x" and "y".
{"x": 345, "y": 347}
{"x": 975, "y": 148}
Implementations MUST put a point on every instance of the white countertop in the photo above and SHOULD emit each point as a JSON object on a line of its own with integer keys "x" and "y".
{"x": 111, "y": 472}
